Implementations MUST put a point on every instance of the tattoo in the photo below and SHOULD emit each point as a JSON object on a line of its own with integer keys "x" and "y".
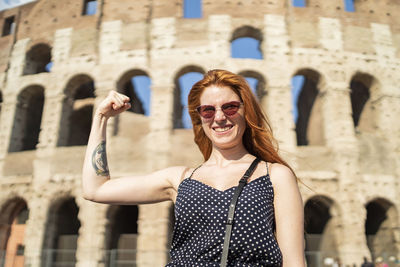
{"x": 99, "y": 160}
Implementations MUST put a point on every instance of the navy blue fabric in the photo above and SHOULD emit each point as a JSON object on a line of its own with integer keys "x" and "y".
{"x": 200, "y": 215}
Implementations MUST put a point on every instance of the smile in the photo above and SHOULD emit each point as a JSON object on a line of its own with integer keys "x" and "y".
{"x": 222, "y": 129}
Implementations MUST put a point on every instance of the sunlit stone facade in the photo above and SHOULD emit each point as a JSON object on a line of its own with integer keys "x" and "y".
{"x": 345, "y": 146}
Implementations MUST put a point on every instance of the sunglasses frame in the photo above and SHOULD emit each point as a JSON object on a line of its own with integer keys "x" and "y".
{"x": 221, "y": 108}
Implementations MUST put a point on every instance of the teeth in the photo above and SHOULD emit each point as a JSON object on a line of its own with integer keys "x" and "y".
{"x": 222, "y": 129}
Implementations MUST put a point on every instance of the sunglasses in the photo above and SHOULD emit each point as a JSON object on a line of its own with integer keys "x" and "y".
{"x": 229, "y": 109}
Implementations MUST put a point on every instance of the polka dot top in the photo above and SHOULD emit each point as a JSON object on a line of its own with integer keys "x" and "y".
{"x": 200, "y": 216}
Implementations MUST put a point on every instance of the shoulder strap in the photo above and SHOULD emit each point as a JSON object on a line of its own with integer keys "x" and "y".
{"x": 195, "y": 169}
{"x": 266, "y": 163}
{"x": 231, "y": 212}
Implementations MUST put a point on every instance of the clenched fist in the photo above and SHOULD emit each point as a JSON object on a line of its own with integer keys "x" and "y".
{"x": 114, "y": 104}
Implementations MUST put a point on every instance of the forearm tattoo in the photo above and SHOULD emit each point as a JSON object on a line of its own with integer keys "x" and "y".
{"x": 99, "y": 160}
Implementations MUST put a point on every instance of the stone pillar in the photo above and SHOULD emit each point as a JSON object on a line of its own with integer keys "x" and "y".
{"x": 338, "y": 123}
{"x": 351, "y": 241}
{"x": 17, "y": 60}
{"x": 152, "y": 250}
{"x": 219, "y": 37}
{"x": 388, "y": 111}
{"x": 276, "y": 45}
{"x": 7, "y": 121}
{"x": 48, "y": 138}
{"x": 91, "y": 242}
{"x": 61, "y": 49}
{"x": 340, "y": 137}
{"x": 330, "y": 34}
{"x": 163, "y": 39}
{"x": 154, "y": 219}
{"x": 383, "y": 43}
{"x": 278, "y": 104}
{"x": 110, "y": 41}
{"x": 36, "y": 230}
{"x": 279, "y": 110}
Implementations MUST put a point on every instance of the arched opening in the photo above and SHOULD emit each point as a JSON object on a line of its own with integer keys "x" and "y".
{"x": 257, "y": 83}
{"x": 307, "y": 108}
{"x": 363, "y": 109}
{"x": 184, "y": 81}
{"x": 192, "y": 9}
{"x": 319, "y": 228}
{"x": 380, "y": 226}
{"x": 37, "y": 59}
{"x": 13, "y": 217}
{"x": 246, "y": 43}
{"x": 349, "y": 5}
{"x": 76, "y": 118}
{"x": 9, "y": 26}
{"x": 121, "y": 240}
{"x": 62, "y": 231}
{"x": 27, "y": 119}
{"x": 299, "y": 3}
{"x": 136, "y": 85}
{"x": 89, "y": 7}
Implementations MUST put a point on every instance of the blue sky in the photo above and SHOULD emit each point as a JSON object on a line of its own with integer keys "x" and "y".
{"x": 6, "y": 4}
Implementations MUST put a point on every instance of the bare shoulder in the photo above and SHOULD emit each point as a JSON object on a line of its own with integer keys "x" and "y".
{"x": 176, "y": 174}
{"x": 282, "y": 178}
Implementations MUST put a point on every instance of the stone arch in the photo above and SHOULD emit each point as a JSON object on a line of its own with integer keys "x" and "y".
{"x": 37, "y": 59}
{"x": 260, "y": 89}
{"x": 363, "y": 96}
{"x": 27, "y": 119}
{"x": 308, "y": 106}
{"x": 252, "y": 37}
{"x": 13, "y": 216}
{"x": 381, "y": 228}
{"x": 320, "y": 217}
{"x": 181, "y": 91}
{"x": 77, "y": 109}
{"x": 121, "y": 235}
{"x": 62, "y": 231}
{"x": 126, "y": 86}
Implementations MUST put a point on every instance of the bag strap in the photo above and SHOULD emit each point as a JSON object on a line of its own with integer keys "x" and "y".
{"x": 231, "y": 212}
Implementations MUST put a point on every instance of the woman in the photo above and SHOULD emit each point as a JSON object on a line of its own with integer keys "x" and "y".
{"x": 230, "y": 131}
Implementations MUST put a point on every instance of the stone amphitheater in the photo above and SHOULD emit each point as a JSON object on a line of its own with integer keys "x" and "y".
{"x": 344, "y": 146}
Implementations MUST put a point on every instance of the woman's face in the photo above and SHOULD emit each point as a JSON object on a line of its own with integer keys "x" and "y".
{"x": 223, "y": 130}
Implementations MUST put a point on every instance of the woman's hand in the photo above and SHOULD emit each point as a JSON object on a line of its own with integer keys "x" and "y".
{"x": 114, "y": 104}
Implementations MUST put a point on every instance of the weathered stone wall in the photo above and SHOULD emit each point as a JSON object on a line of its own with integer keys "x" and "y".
{"x": 351, "y": 168}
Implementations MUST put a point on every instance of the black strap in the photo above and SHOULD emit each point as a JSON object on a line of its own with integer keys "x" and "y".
{"x": 231, "y": 212}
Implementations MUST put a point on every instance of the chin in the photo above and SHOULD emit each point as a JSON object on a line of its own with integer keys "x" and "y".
{"x": 226, "y": 142}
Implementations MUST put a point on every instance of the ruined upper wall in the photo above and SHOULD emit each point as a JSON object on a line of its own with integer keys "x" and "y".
{"x": 39, "y": 20}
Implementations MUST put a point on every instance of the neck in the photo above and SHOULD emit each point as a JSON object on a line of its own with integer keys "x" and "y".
{"x": 225, "y": 156}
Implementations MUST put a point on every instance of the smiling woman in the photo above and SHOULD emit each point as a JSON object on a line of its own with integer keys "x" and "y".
{"x": 232, "y": 133}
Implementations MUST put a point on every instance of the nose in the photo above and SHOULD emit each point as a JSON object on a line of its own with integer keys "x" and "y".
{"x": 219, "y": 115}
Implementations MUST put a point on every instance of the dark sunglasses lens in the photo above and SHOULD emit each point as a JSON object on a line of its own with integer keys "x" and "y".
{"x": 231, "y": 108}
{"x": 206, "y": 111}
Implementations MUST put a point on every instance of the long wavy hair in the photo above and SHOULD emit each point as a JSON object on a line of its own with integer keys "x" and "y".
{"x": 257, "y": 138}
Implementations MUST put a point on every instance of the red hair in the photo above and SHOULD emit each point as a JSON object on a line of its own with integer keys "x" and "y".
{"x": 257, "y": 138}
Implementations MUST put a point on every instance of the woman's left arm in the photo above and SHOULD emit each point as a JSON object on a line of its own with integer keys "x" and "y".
{"x": 289, "y": 216}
